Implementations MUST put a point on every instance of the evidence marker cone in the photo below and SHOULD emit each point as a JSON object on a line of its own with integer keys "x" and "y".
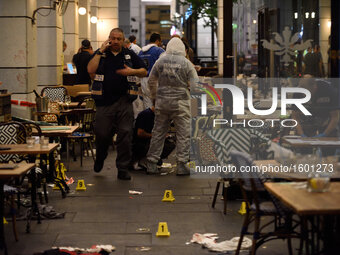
{"x": 168, "y": 196}
{"x": 243, "y": 209}
{"x": 5, "y": 221}
{"x": 81, "y": 185}
{"x": 163, "y": 229}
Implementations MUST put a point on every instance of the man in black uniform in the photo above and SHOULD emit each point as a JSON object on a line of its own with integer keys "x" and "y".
{"x": 114, "y": 113}
{"x": 80, "y": 60}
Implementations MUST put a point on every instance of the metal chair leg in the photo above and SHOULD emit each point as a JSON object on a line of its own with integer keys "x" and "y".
{"x": 216, "y": 193}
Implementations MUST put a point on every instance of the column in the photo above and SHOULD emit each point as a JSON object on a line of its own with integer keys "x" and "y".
{"x": 94, "y": 30}
{"x": 136, "y": 21}
{"x": 50, "y": 44}
{"x": 107, "y": 19}
{"x": 71, "y": 30}
{"x": 84, "y": 21}
{"x": 124, "y": 17}
{"x": 18, "y": 51}
{"x": 220, "y": 36}
{"x": 325, "y": 30}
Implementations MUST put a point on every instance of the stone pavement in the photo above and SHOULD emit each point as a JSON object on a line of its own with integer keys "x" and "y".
{"x": 106, "y": 214}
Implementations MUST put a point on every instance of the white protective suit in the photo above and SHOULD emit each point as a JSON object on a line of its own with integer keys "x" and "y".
{"x": 173, "y": 74}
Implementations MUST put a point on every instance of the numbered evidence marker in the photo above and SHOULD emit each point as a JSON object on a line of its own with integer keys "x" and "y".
{"x": 243, "y": 209}
{"x": 163, "y": 229}
{"x": 81, "y": 185}
{"x": 5, "y": 221}
{"x": 168, "y": 197}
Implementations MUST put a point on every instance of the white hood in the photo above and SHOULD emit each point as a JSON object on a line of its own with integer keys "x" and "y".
{"x": 148, "y": 47}
{"x": 175, "y": 47}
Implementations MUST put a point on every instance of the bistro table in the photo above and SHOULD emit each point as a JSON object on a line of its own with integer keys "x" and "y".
{"x": 23, "y": 149}
{"x": 301, "y": 142}
{"x": 307, "y": 204}
{"x": 58, "y": 131}
{"x": 5, "y": 175}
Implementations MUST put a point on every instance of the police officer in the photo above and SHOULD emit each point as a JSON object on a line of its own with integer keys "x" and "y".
{"x": 114, "y": 112}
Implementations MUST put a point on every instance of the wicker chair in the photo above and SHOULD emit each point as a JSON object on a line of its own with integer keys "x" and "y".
{"x": 260, "y": 203}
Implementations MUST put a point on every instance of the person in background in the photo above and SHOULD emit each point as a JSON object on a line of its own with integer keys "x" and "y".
{"x": 149, "y": 54}
{"x": 81, "y": 60}
{"x": 323, "y": 106}
{"x": 190, "y": 51}
{"x": 319, "y": 70}
{"x": 63, "y": 66}
{"x": 174, "y": 74}
{"x": 114, "y": 112}
{"x": 309, "y": 67}
{"x": 187, "y": 50}
{"x": 133, "y": 44}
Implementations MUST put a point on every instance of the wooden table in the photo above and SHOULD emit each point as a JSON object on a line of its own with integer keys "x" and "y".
{"x": 59, "y": 131}
{"x": 304, "y": 202}
{"x": 311, "y": 205}
{"x": 72, "y": 105}
{"x": 56, "y": 131}
{"x": 22, "y": 149}
{"x": 323, "y": 142}
{"x": 6, "y": 174}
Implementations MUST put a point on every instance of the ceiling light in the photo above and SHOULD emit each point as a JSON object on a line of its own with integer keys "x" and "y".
{"x": 82, "y": 11}
{"x": 329, "y": 23}
{"x": 296, "y": 15}
{"x": 94, "y": 19}
{"x": 307, "y": 15}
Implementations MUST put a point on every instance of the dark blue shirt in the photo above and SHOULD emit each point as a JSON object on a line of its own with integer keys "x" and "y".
{"x": 145, "y": 120}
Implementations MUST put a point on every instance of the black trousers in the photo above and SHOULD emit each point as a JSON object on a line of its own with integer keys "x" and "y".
{"x": 141, "y": 147}
{"x": 115, "y": 119}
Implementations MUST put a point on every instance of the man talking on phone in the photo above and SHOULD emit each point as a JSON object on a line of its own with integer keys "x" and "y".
{"x": 113, "y": 68}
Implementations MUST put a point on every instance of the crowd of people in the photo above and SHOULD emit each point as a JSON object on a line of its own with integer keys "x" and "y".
{"x": 165, "y": 77}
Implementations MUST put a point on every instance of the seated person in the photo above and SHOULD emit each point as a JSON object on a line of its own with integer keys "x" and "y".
{"x": 323, "y": 106}
{"x": 142, "y": 137}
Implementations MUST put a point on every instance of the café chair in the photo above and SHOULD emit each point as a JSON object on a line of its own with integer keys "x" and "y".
{"x": 54, "y": 93}
{"x": 85, "y": 136}
{"x": 203, "y": 151}
{"x": 259, "y": 204}
{"x": 53, "y": 115}
{"x": 12, "y": 133}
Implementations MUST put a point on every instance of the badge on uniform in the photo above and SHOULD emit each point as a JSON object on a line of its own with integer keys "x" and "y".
{"x": 132, "y": 79}
{"x": 127, "y": 56}
{"x": 99, "y": 77}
